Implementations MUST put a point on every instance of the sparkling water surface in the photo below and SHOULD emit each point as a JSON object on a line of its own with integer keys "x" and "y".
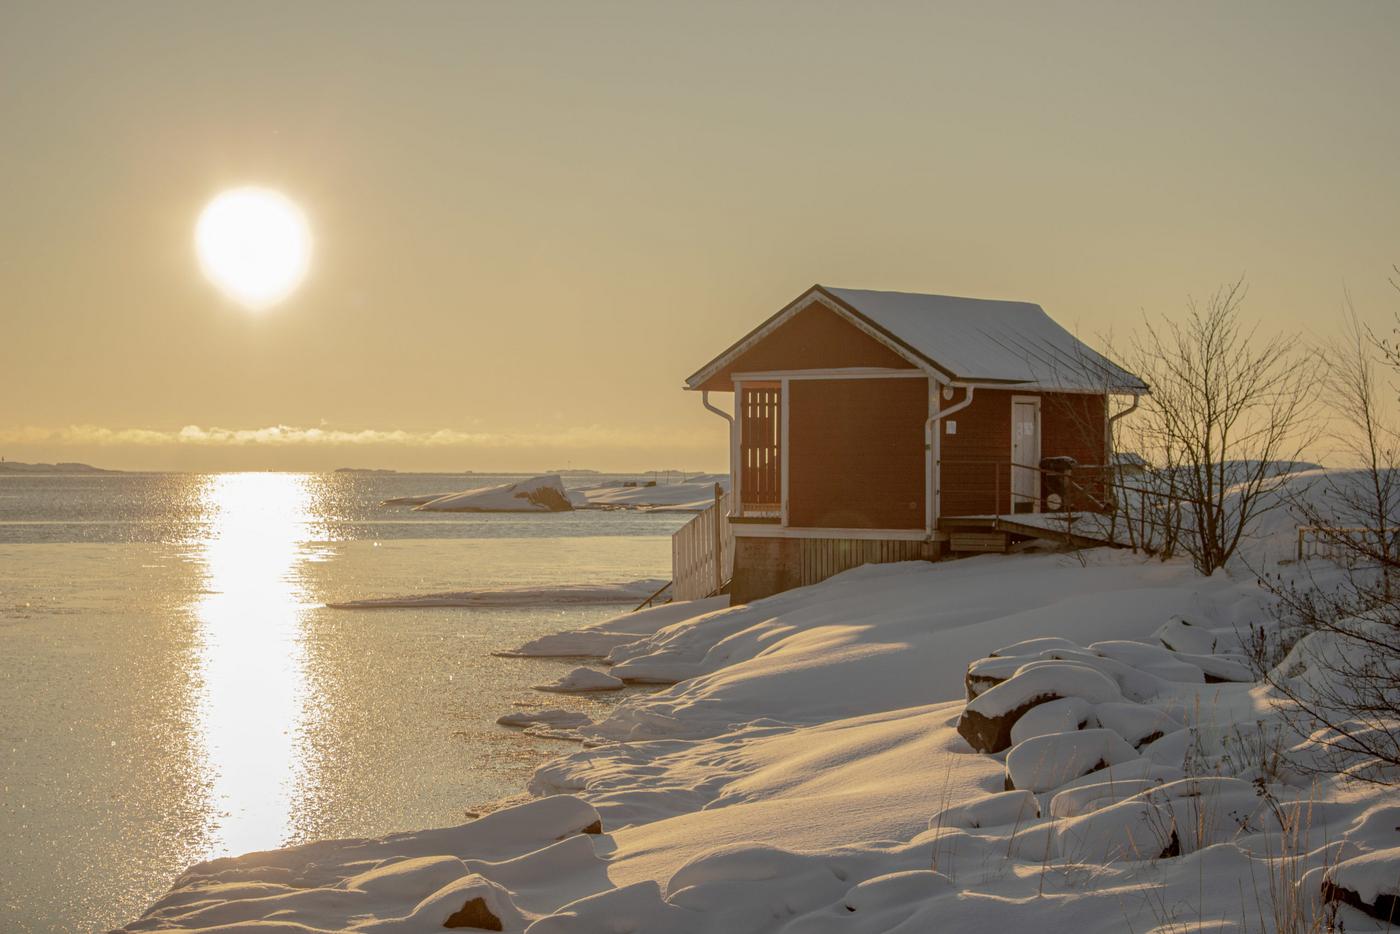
{"x": 172, "y": 687}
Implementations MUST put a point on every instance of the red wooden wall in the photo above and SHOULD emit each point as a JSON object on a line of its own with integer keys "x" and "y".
{"x": 856, "y": 457}
{"x": 816, "y": 338}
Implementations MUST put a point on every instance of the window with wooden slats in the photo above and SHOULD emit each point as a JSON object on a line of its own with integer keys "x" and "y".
{"x": 760, "y": 448}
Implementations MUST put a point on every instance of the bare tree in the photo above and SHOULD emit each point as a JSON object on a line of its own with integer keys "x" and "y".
{"x": 1341, "y": 675}
{"x": 1354, "y": 512}
{"x": 1227, "y": 416}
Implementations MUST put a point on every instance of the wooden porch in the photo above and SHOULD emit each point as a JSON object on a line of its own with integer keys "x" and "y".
{"x": 998, "y": 534}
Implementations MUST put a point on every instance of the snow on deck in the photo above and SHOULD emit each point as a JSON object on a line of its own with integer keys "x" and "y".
{"x": 1089, "y": 525}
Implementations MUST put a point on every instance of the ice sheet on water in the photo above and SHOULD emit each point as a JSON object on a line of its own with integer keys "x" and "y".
{"x": 556, "y": 595}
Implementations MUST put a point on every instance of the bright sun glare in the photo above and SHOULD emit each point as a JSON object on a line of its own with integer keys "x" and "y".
{"x": 254, "y": 244}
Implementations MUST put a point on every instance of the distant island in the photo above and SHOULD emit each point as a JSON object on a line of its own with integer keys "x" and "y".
{"x": 363, "y": 470}
{"x": 65, "y": 467}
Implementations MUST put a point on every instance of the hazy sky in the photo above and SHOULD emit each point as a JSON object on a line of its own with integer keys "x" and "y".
{"x": 533, "y": 220}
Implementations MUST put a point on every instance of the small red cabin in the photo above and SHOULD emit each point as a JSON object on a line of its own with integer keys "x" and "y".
{"x": 885, "y": 426}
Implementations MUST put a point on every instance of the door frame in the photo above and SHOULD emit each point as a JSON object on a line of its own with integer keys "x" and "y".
{"x": 1011, "y": 454}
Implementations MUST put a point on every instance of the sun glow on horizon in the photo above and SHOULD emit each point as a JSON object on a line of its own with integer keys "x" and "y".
{"x": 254, "y": 244}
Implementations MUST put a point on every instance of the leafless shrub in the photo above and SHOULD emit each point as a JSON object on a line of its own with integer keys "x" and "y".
{"x": 1227, "y": 415}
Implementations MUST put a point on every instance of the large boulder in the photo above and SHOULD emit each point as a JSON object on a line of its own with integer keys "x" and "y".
{"x": 987, "y": 719}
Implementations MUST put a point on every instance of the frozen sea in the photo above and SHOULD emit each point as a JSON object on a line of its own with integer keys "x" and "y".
{"x": 172, "y": 687}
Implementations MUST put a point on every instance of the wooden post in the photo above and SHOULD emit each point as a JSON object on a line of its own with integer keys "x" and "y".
{"x": 1142, "y": 518}
{"x": 719, "y": 542}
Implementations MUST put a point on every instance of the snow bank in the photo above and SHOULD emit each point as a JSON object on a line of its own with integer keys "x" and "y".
{"x": 411, "y": 881}
{"x": 561, "y": 595}
{"x": 537, "y": 494}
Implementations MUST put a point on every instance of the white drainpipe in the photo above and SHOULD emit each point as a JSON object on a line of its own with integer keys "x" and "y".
{"x": 1137, "y": 397}
{"x": 933, "y": 474}
{"x": 733, "y": 468}
{"x": 1108, "y": 441}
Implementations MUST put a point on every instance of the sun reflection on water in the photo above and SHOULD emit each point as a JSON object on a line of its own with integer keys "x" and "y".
{"x": 255, "y": 700}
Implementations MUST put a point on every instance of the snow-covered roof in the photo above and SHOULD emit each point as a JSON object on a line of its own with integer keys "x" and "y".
{"x": 963, "y": 339}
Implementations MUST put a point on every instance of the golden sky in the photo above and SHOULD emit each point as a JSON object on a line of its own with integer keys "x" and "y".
{"x": 532, "y": 220}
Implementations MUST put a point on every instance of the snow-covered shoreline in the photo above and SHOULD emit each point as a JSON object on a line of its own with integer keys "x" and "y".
{"x": 547, "y": 493}
{"x": 802, "y": 769}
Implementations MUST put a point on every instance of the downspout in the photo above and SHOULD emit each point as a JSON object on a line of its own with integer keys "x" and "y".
{"x": 705, "y": 401}
{"x": 933, "y": 474}
{"x": 1108, "y": 441}
{"x": 733, "y": 469}
{"x": 1137, "y": 397}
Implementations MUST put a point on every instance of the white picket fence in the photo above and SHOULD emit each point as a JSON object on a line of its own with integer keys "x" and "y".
{"x": 702, "y": 552}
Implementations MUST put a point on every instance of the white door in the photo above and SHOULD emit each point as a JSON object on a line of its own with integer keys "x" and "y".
{"x": 1025, "y": 454}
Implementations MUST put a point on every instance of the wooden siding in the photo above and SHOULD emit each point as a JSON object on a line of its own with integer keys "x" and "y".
{"x": 856, "y": 458}
{"x": 816, "y": 338}
{"x": 976, "y": 461}
{"x": 765, "y": 566}
{"x": 822, "y": 557}
{"x": 760, "y": 447}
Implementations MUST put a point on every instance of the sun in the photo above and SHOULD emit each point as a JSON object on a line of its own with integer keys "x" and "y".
{"x": 254, "y": 244}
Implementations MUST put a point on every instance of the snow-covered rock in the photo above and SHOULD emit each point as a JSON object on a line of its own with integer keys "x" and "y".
{"x": 1370, "y": 883}
{"x": 582, "y": 681}
{"x": 1082, "y": 799}
{"x": 1044, "y": 763}
{"x": 537, "y": 494}
{"x": 1180, "y": 635}
{"x": 1057, "y": 716}
{"x": 992, "y": 810}
{"x": 896, "y": 888}
{"x": 987, "y": 719}
{"x": 1139, "y": 724}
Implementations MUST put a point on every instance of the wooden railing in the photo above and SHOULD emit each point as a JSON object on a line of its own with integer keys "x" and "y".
{"x": 702, "y": 552}
{"x": 979, "y": 487}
